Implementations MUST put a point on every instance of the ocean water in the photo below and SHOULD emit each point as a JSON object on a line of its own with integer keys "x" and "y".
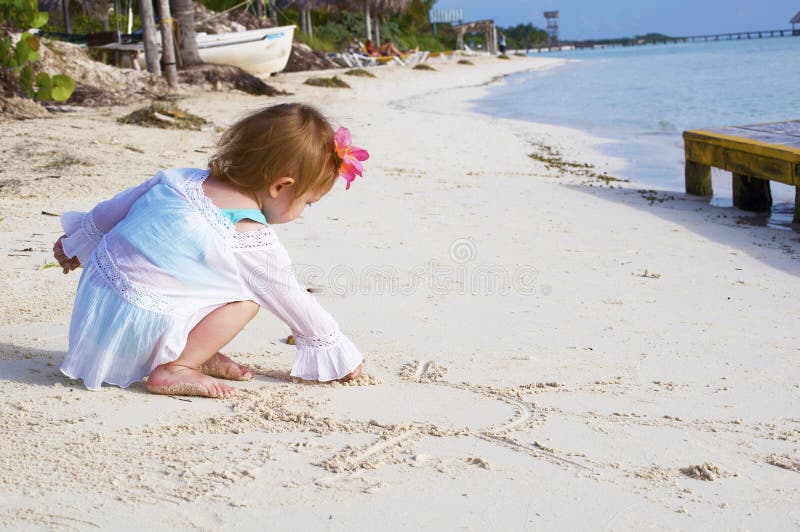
{"x": 644, "y": 97}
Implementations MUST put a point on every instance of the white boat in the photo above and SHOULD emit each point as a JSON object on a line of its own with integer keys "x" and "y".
{"x": 263, "y": 51}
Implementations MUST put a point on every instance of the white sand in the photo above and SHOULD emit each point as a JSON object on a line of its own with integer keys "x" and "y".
{"x": 524, "y": 372}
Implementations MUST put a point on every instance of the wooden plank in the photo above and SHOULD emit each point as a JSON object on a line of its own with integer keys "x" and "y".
{"x": 742, "y": 162}
{"x": 698, "y": 178}
{"x": 758, "y": 166}
{"x": 796, "y": 218}
{"x": 765, "y": 137}
{"x": 759, "y": 147}
{"x": 751, "y": 194}
{"x": 790, "y": 128}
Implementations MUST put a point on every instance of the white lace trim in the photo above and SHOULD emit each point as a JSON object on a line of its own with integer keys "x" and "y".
{"x": 193, "y": 189}
{"x": 132, "y": 292}
{"x": 263, "y": 238}
{"x": 319, "y": 342}
{"x": 90, "y": 228}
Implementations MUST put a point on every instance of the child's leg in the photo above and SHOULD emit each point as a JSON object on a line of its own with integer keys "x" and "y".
{"x": 184, "y": 376}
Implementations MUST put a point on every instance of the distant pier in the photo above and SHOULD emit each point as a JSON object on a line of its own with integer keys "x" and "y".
{"x": 732, "y": 36}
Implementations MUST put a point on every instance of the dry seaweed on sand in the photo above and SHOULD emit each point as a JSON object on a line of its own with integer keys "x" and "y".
{"x": 226, "y": 77}
{"x": 503, "y": 56}
{"x": 333, "y": 82}
{"x": 359, "y": 72}
{"x": 423, "y": 66}
{"x": 465, "y": 62}
{"x": 163, "y": 115}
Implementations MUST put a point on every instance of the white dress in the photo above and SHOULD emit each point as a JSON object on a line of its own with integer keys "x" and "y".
{"x": 157, "y": 259}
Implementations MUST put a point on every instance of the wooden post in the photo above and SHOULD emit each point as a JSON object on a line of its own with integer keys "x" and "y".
{"x": 167, "y": 44}
{"x": 368, "y": 21}
{"x": 67, "y": 20}
{"x": 698, "y": 178}
{"x": 796, "y": 218}
{"x": 751, "y": 193}
{"x": 149, "y": 34}
{"x": 259, "y": 5}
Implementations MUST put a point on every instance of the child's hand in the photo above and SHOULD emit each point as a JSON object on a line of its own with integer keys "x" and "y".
{"x": 68, "y": 264}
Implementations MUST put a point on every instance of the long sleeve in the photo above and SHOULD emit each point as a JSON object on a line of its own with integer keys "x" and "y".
{"x": 85, "y": 229}
{"x": 323, "y": 352}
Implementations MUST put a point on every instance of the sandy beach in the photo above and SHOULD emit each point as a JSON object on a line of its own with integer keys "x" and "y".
{"x": 545, "y": 347}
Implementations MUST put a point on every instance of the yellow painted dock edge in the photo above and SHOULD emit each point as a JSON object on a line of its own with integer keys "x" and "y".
{"x": 740, "y": 143}
{"x": 743, "y": 156}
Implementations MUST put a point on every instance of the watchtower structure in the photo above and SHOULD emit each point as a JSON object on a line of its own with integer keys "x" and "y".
{"x": 552, "y": 27}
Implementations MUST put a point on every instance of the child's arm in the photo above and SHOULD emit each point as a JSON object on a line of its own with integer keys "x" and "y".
{"x": 83, "y": 230}
{"x": 323, "y": 352}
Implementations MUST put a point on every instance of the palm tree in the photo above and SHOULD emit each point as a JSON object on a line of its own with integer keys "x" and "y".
{"x": 183, "y": 12}
{"x": 381, "y": 8}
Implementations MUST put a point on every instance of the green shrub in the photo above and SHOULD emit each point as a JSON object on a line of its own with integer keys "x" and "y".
{"x": 16, "y": 59}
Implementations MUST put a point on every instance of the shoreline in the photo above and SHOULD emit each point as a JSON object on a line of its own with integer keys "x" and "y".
{"x": 652, "y": 152}
{"x": 537, "y": 339}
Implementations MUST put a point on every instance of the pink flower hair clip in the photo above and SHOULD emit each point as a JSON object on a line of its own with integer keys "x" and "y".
{"x": 350, "y": 155}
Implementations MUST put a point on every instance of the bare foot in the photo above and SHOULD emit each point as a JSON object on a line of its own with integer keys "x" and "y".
{"x": 356, "y": 373}
{"x": 223, "y": 367}
{"x": 172, "y": 379}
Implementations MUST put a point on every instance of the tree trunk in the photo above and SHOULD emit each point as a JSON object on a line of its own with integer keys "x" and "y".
{"x": 377, "y": 31}
{"x": 368, "y": 21}
{"x": 183, "y": 10}
{"x": 260, "y": 12}
{"x": 149, "y": 33}
{"x": 67, "y": 20}
{"x": 167, "y": 44}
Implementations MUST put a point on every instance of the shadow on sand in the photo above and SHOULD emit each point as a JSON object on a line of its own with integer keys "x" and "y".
{"x": 743, "y": 231}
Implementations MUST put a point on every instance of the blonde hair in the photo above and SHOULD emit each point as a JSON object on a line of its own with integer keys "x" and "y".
{"x": 292, "y": 140}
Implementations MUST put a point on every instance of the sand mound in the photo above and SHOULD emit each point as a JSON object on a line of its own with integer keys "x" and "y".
{"x": 20, "y": 108}
{"x": 96, "y": 83}
{"x": 305, "y": 58}
{"x": 224, "y": 77}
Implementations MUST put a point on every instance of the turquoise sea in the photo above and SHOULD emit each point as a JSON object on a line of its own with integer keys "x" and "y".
{"x": 643, "y": 97}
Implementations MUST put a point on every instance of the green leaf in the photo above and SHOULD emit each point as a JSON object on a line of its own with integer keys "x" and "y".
{"x": 44, "y": 94}
{"x": 43, "y": 80}
{"x": 26, "y": 81}
{"x": 21, "y": 52}
{"x": 32, "y": 41}
{"x": 63, "y": 87}
{"x": 39, "y": 19}
{"x": 5, "y": 52}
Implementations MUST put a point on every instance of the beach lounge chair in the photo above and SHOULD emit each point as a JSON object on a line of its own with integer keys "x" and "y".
{"x": 356, "y": 60}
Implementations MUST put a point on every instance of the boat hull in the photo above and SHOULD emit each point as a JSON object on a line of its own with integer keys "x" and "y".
{"x": 257, "y": 51}
{"x": 263, "y": 51}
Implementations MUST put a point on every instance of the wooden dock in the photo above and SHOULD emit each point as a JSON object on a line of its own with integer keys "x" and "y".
{"x": 755, "y": 155}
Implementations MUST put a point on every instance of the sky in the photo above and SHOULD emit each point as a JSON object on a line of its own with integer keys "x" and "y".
{"x": 597, "y": 19}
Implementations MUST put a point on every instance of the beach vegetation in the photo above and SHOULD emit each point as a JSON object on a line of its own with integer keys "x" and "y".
{"x": 334, "y": 83}
{"x": 19, "y": 53}
{"x": 554, "y": 160}
{"x": 164, "y": 115}
{"x": 465, "y": 62}
{"x": 360, "y": 72}
{"x": 336, "y": 28}
{"x": 524, "y": 36}
{"x": 423, "y": 66}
